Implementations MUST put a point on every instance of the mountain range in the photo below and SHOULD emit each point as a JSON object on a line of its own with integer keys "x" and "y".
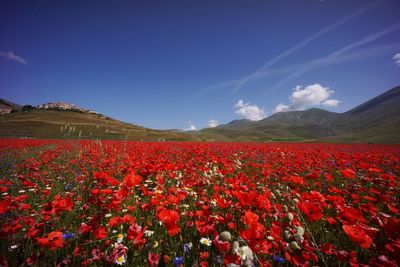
{"x": 375, "y": 121}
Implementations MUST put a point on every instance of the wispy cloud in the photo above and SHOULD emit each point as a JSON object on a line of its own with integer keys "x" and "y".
{"x": 397, "y": 59}
{"x": 303, "y": 43}
{"x": 12, "y": 56}
{"x": 337, "y": 55}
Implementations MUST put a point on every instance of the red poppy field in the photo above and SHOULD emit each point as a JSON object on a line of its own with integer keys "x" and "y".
{"x": 87, "y": 203}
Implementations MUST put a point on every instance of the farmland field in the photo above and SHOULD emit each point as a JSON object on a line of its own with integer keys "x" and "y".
{"x": 88, "y": 203}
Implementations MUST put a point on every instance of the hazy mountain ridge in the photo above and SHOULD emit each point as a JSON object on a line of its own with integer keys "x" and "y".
{"x": 376, "y": 120}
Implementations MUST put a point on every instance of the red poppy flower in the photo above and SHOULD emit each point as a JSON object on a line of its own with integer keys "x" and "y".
{"x": 312, "y": 210}
{"x": 170, "y": 219}
{"x": 348, "y": 173}
{"x": 357, "y": 235}
{"x": 62, "y": 204}
{"x": 222, "y": 246}
{"x": 153, "y": 259}
{"x": 136, "y": 234}
{"x": 204, "y": 255}
{"x": 131, "y": 180}
{"x": 4, "y": 204}
{"x": 250, "y": 218}
{"x": 53, "y": 240}
{"x": 100, "y": 233}
{"x": 328, "y": 249}
{"x": 351, "y": 215}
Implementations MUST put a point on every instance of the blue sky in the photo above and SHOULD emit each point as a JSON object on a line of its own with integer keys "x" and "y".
{"x": 181, "y": 64}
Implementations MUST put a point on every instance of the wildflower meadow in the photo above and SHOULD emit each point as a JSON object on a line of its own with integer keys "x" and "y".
{"x": 111, "y": 203}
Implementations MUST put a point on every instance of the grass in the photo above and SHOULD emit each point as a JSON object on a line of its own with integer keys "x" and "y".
{"x": 42, "y": 123}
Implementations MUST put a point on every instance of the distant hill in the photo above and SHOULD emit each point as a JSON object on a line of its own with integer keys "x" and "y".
{"x": 235, "y": 124}
{"x": 377, "y": 120}
{"x": 7, "y": 106}
{"x": 56, "y": 122}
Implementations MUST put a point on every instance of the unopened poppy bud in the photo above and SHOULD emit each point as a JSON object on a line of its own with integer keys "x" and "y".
{"x": 246, "y": 253}
{"x": 290, "y": 216}
{"x": 299, "y": 231}
{"x": 286, "y": 234}
{"x": 294, "y": 245}
{"x": 248, "y": 263}
{"x": 225, "y": 236}
{"x": 285, "y": 208}
{"x": 235, "y": 247}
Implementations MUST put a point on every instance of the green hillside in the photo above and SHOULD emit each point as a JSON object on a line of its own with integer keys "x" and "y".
{"x": 376, "y": 121}
{"x": 42, "y": 123}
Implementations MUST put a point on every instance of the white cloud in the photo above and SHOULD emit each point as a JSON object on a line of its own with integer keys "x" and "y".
{"x": 309, "y": 96}
{"x": 12, "y": 56}
{"x": 397, "y": 59}
{"x": 331, "y": 103}
{"x": 281, "y": 108}
{"x": 250, "y": 112}
{"x": 191, "y": 127}
{"x": 212, "y": 123}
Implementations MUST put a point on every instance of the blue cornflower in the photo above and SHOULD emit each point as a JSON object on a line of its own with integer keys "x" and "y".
{"x": 278, "y": 259}
{"x": 178, "y": 261}
{"x": 68, "y": 235}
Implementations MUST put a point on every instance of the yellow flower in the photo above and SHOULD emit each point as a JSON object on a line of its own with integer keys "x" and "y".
{"x": 120, "y": 238}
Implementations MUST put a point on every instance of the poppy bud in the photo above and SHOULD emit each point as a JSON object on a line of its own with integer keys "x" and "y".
{"x": 286, "y": 234}
{"x": 294, "y": 245}
{"x": 235, "y": 247}
{"x": 248, "y": 263}
{"x": 299, "y": 231}
{"x": 225, "y": 236}
{"x": 290, "y": 216}
{"x": 166, "y": 259}
{"x": 246, "y": 253}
